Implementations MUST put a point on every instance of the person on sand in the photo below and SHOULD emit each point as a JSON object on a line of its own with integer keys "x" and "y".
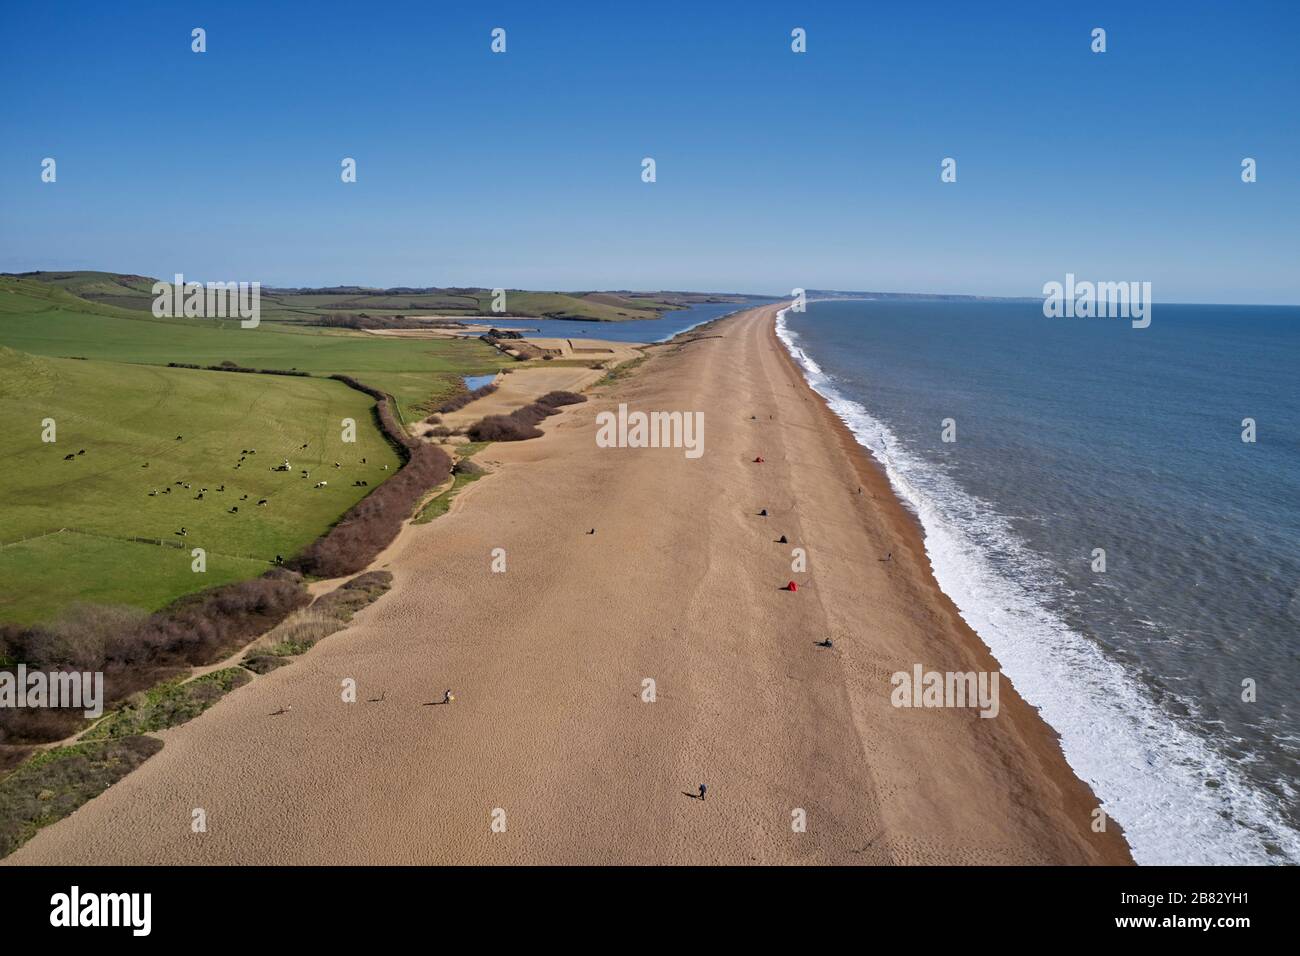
{"x": 703, "y": 791}
{"x": 448, "y": 696}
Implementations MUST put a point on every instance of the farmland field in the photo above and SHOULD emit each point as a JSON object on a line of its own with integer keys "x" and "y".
{"x": 126, "y": 419}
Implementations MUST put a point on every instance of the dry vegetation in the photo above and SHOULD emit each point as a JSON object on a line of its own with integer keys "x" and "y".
{"x": 558, "y": 398}
{"x": 331, "y": 612}
{"x": 54, "y": 783}
{"x": 458, "y": 402}
{"x": 135, "y": 650}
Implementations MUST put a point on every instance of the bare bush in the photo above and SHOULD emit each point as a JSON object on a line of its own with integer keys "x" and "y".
{"x": 557, "y": 398}
{"x": 135, "y": 650}
{"x": 458, "y": 402}
{"x": 502, "y": 428}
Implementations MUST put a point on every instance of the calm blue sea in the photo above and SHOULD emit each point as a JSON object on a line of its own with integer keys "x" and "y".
{"x": 1079, "y": 434}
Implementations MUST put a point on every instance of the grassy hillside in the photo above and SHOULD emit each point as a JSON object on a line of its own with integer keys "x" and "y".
{"x": 124, "y": 416}
{"x": 301, "y": 305}
{"x": 103, "y": 288}
{"x": 46, "y": 320}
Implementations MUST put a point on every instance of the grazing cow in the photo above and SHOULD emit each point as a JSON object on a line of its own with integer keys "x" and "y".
{"x": 199, "y": 496}
{"x": 69, "y": 457}
{"x": 178, "y": 437}
{"x": 384, "y": 467}
{"x": 305, "y": 444}
{"x": 363, "y": 461}
{"x": 337, "y": 465}
{"x": 262, "y": 501}
{"x": 221, "y": 488}
{"x": 82, "y": 452}
{"x": 234, "y": 509}
{"x": 154, "y": 492}
{"x": 243, "y": 497}
{"x": 145, "y": 465}
{"x": 167, "y": 491}
{"x": 321, "y": 484}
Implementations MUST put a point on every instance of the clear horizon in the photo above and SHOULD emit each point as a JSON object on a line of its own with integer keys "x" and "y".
{"x": 774, "y": 169}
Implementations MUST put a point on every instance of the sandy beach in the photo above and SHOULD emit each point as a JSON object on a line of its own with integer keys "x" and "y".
{"x": 680, "y": 584}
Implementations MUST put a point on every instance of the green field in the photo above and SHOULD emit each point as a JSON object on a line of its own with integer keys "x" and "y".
{"x": 45, "y": 320}
{"x": 44, "y": 575}
{"x": 124, "y": 416}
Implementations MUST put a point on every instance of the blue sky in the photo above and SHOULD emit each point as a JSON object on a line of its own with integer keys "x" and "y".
{"x": 775, "y": 169}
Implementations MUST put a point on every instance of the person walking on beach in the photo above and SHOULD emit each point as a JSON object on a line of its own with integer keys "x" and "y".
{"x": 447, "y": 696}
{"x": 703, "y": 791}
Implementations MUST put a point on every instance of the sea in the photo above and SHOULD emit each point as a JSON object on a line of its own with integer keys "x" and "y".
{"x": 1116, "y": 512}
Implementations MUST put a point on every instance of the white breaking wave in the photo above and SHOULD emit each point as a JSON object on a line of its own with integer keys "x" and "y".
{"x": 1150, "y": 773}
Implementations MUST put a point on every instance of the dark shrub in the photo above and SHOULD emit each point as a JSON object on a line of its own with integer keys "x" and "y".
{"x": 460, "y": 401}
{"x": 502, "y": 428}
{"x": 519, "y": 425}
{"x": 264, "y": 663}
{"x": 534, "y": 413}
{"x": 205, "y": 627}
{"x": 558, "y": 398}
